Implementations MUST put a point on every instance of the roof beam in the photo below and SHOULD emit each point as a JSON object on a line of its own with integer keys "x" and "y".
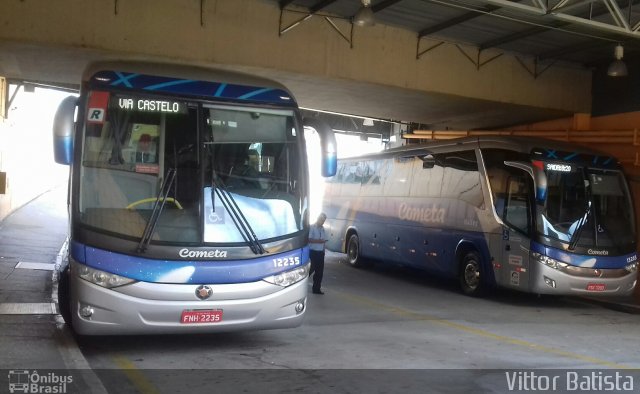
{"x": 560, "y": 7}
{"x": 383, "y": 4}
{"x": 519, "y": 35}
{"x": 563, "y": 7}
{"x": 284, "y": 3}
{"x": 583, "y": 46}
{"x": 320, "y": 5}
{"x": 623, "y": 30}
{"x": 457, "y": 20}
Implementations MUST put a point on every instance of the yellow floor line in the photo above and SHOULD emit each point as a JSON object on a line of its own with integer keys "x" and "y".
{"x": 135, "y": 376}
{"x": 479, "y": 332}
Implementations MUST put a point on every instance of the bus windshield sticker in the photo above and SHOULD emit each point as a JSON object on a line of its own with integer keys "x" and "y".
{"x": 147, "y": 168}
{"x": 98, "y": 102}
{"x": 515, "y": 278}
{"x": 515, "y": 260}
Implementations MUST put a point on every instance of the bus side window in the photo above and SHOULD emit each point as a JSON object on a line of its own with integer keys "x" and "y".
{"x": 461, "y": 179}
{"x": 516, "y": 210}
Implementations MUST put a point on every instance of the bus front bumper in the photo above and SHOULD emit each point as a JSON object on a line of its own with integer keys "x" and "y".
{"x": 546, "y": 280}
{"x": 152, "y": 308}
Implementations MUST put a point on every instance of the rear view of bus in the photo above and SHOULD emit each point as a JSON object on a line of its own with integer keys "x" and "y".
{"x": 188, "y": 202}
{"x": 577, "y": 207}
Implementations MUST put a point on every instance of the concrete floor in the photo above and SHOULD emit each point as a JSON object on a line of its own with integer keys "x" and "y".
{"x": 379, "y": 330}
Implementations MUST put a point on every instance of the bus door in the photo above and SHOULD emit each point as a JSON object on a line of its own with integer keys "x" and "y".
{"x": 516, "y": 230}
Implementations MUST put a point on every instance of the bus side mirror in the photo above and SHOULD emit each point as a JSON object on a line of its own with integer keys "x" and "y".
{"x": 63, "y": 125}
{"x": 540, "y": 180}
{"x": 538, "y": 176}
{"x": 328, "y": 146}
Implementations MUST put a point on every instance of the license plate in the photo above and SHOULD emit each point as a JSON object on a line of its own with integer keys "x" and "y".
{"x": 596, "y": 287}
{"x": 201, "y": 316}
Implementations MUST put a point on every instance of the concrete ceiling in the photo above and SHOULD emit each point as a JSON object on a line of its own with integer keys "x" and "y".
{"x": 522, "y": 27}
{"x": 63, "y": 67}
{"x": 581, "y": 32}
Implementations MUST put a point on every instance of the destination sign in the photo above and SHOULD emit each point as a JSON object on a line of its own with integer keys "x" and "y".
{"x": 148, "y": 105}
{"x": 558, "y": 167}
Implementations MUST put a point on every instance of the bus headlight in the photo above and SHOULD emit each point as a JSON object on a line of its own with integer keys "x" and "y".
{"x": 288, "y": 278}
{"x": 100, "y": 278}
{"x": 633, "y": 267}
{"x": 548, "y": 261}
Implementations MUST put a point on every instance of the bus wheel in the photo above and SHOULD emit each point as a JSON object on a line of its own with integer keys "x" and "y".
{"x": 64, "y": 303}
{"x": 470, "y": 274}
{"x": 353, "y": 251}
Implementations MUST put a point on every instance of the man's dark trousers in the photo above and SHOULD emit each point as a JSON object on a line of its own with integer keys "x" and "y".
{"x": 317, "y": 267}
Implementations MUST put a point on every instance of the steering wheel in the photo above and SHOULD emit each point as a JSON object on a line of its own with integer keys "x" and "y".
{"x": 152, "y": 199}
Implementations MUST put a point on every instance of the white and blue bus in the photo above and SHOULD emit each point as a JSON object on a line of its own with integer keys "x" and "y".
{"x": 533, "y": 215}
{"x": 188, "y": 201}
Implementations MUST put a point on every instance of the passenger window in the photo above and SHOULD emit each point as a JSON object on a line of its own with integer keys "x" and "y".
{"x": 428, "y": 181}
{"x": 461, "y": 178}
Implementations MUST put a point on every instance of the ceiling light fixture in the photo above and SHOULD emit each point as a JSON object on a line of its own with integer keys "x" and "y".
{"x": 617, "y": 68}
{"x": 364, "y": 17}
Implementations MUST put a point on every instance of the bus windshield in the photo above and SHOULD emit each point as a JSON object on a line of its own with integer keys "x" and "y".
{"x": 133, "y": 143}
{"x": 587, "y": 206}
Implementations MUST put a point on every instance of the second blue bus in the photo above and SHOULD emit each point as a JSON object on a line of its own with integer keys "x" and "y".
{"x": 533, "y": 215}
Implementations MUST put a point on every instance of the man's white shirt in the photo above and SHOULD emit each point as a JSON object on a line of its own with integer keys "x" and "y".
{"x": 316, "y": 232}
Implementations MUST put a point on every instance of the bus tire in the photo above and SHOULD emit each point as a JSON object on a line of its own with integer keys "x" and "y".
{"x": 471, "y": 281}
{"x": 64, "y": 302}
{"x": 353, "y": 251}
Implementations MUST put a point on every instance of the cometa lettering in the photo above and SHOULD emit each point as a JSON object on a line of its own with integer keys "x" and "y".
{"x": 425, "y": 215}
{"x": 202, "y": 254}
{"x": 598, "y": 252}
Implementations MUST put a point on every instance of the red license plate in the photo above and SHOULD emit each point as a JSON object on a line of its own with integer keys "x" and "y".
{"x": 596, "y": 287}
{"x": 201, "y": 316}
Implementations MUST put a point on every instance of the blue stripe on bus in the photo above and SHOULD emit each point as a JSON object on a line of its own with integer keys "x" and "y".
{"x": 220, "y": 89}
{"x": 125, "y": 79}
{"x": 383, "y": 219}
{"x": 254, "y": 93}
{"x": 593, "y": 160}
{"x": 193, "y": 87}
{"x": 167, "y": 84}
{"x": 585, "y": 261}
{"x": 185, "y": 271}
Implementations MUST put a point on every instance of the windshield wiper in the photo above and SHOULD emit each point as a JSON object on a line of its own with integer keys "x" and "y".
{"x": 240, "y": 221}
{"x": 583, "y": 220}
{"x": 238, "y": 218}
{"x": 578, "y": 230}
{"x": 158, "y": 206}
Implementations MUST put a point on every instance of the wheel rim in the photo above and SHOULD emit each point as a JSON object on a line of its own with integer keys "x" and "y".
{"x": 472, "y": 274}
{"x": 353, "y": 250}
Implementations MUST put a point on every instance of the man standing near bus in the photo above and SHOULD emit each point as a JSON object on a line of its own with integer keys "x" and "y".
{"x": 317, "y": 240}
